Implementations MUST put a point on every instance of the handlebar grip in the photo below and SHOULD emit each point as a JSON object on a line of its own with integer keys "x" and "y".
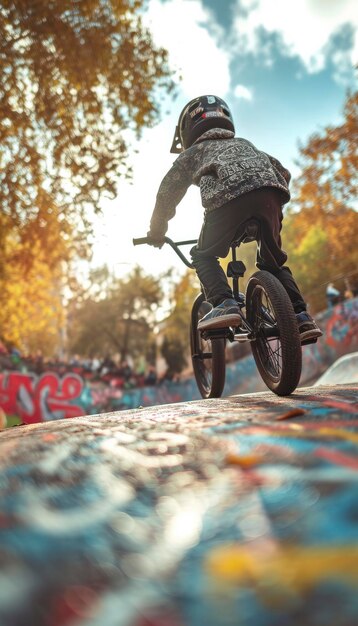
{"x": 173, "y": 244}
{"x": 140, "y": 240}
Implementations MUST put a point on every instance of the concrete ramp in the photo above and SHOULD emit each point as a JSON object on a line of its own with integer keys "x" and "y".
{"x": 230, "y": 512}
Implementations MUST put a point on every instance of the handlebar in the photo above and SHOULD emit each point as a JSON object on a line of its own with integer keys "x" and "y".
{"x": 174, "y": 244}
{"x": 140, "y": 240}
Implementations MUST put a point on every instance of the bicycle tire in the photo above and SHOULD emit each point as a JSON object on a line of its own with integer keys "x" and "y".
{"x": 270, "y": 312}
{"x": 208, "y": 355}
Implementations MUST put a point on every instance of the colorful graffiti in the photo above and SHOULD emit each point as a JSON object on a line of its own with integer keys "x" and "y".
{"x": 340, "y": 327}
{"x": 340, "y": 336}
{"x": 226, "y": 512}
{"x": 50, "y": 397}
{"x": 40, "y": 398}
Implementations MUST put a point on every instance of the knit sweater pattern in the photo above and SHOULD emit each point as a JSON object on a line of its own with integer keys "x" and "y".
{"x": 224, "y": 167}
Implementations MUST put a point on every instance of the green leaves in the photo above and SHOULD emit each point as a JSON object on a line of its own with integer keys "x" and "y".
{"x": 115, "y": 315}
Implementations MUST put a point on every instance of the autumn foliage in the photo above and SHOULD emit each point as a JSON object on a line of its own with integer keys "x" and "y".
{"x": 321, "y": 227}
{"x": 77, "y": 78}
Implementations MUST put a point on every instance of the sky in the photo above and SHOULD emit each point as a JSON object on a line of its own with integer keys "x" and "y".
{"x": 284, "y": 69}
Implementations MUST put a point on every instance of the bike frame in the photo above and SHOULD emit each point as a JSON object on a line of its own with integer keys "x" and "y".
{"x": 236, "y": 269}
{"x": 174, "y": 244}
{"x": 268, "y": 315}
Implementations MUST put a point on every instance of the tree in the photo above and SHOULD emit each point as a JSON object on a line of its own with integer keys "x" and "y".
{"x": 175, "y": 346}
{"x": 78, "y": 78}
{"x": 75, "y": 76}
{"x": 173, "y": 351}
{"x": 329, "y": 161}
{"x": 311, "y": 260}
{"x": 31, "y": 307}
{"x": 321, "y": 227}
{"x": 119, "y": 319}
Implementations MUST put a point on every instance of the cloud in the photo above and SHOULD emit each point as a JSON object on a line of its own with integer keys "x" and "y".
{"x": 182, "y": 27}
{"x": 243, "y": 92}
{"x": 305, "y": 28}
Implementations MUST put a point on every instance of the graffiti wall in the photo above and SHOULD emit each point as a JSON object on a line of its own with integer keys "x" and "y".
{"x": 50, "y": 397}
{"x": 41, "y": 398}
{"x": 340, "y": 336}
{"x": 340, "y": 326}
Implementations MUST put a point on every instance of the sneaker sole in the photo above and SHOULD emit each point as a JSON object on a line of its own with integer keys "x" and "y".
{"x": 306, "y": 342}
{"x": 310, "y": 335}
{"x": 223, "y": 321}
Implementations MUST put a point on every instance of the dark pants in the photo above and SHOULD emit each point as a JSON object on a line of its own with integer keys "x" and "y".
{"x": 222, "y": 226}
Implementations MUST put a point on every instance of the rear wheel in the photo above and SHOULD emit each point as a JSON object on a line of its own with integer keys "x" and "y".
{"x": 276, "y": 345}
{"x": 208, "y": 355}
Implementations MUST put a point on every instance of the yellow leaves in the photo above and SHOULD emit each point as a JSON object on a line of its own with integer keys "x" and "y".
{"x": 87, "y": 7}
{"x": 31, "y": 311}
{"x": 31, "y": 306}
{"x": 321, "y": 230}
{"x": 85, "y": 72}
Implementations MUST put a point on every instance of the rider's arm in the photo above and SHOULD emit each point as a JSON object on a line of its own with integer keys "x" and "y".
{"x": 276, "y": 163}
{"x": 171, "y": 191}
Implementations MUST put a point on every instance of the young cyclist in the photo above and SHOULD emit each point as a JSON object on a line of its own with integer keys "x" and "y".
{"x": 237, "y": 182}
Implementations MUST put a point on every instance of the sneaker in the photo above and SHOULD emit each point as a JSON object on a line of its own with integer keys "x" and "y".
{"x": 222, "y": 316}
{"x": 241, "y": 300}
{"x": 309, "y": 331}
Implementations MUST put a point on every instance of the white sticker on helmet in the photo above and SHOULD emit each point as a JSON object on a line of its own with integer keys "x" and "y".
{"x": 211, "y": 99}
{"x": 217, "y": 113}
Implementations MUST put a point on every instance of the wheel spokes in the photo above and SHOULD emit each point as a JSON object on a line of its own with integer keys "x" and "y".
{"x": 205, "y": 356}
{"x": 270, "y": 348}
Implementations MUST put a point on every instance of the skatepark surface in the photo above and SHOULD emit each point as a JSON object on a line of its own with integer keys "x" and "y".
{"x": 229, "y": 512}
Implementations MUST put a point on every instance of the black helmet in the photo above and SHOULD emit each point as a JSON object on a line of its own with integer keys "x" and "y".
{"x": 198, "y": 116}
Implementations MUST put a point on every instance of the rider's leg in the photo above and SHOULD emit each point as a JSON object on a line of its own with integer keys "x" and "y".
{"x": 214, "y": 242}
{"x": 224, "y": 225}
{"x": 271, "y": 257}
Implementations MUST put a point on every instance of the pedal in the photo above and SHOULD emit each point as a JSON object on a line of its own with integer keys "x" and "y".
{"x": 242, "y": 336}
{"x": 218, "y": 333}
{"x": 271, "y": 332}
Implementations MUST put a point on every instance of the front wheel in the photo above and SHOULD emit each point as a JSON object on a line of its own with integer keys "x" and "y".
{"x": 276, "y": 344}
{"x": 208, "y": 355}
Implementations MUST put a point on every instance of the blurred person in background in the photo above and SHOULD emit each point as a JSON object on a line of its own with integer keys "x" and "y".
{"x": 333, "y": 295}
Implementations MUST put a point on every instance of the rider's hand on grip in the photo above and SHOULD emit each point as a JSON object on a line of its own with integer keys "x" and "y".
{"x": 155, "y": 241}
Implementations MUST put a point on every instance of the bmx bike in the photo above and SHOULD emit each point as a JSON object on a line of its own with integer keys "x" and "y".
{"x": 268, "y": 322}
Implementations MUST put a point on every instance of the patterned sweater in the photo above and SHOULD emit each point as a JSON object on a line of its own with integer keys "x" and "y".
{"x": 224, "y": 167}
